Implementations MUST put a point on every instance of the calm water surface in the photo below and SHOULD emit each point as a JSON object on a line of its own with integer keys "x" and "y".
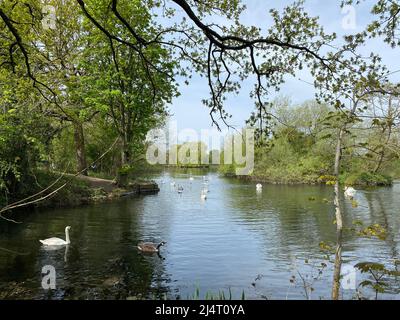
{"x": 237, "y": 240}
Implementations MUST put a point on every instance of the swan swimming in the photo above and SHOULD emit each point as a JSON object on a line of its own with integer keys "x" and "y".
{"x": 349, "y": 192}
{"x": 58, "y": 241}
{"x": 259, "y": 186}
{"x": 203, "y": 195}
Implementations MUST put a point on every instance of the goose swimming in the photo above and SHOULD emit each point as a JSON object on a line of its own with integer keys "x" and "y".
{"x": 150, "y": 247}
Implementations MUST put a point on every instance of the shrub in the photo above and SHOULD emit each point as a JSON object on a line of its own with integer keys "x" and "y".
{"x": 366, "y": 179}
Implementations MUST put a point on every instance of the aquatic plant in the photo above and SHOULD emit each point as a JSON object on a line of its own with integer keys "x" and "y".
{"x": 215, "y": 296}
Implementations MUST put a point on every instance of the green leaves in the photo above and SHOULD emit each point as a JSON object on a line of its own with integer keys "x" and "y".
{"x": 16, "y": 146}
{"x": 375, "y": 230}
{"x": 376, "y": 122}
{"x": 380, "y": 276}
{"x": 326, "y": 247}
{"x": 370, "y": 266}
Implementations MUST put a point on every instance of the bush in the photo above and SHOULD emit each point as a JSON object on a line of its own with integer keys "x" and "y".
{"x": 15, "y": 156}
{"x": 366, "y": 179}
{"x": 74, "y": 193}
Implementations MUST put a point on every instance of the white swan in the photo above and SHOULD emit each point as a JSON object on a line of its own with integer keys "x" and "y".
{"x": 259, "y": 186}
{"x": 349, "y": 192}
{"x": 191, "y": 178}
{"x": 203, "y": 195}
{"x": 57, "y": 241}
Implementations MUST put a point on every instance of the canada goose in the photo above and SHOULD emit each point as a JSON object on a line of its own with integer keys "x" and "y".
{"x": 349, "y": 192}
{"x": 57, "y": 241}
{"x": 150, "y": 247}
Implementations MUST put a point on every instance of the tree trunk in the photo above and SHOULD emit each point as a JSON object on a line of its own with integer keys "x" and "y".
{"x": 122, "y": 176}
{"x": 125, "y": 152}
{"x": 390, "y": 122}
{"x": 80, "y": 148}
{"x": 339, "y": 220}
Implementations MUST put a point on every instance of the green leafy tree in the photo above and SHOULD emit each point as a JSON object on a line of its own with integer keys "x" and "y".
{"x": 118, "y": 84}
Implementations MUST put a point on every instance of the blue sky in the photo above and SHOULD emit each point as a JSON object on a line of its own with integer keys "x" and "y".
{"x": 188, "y": 110}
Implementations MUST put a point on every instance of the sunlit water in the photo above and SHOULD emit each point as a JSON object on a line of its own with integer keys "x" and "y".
{"x": 236, "y": 241}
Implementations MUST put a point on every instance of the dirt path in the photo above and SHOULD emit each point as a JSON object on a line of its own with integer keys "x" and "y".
{"x": 107, "y": 185}
{"x": 140, "y": 187}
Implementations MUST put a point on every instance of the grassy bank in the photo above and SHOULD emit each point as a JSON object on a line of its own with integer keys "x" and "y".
{"x": 77, "y": 190}
{"x": 74, "y": 193}
{"x": 287, "y": 176}
{"x": 309, "y": 170}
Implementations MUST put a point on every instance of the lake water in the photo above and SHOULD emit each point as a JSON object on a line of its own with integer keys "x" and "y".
{"x": 236, "y": 241}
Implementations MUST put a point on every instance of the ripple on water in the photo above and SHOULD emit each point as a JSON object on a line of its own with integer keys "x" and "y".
{"x": 235, "y": 239}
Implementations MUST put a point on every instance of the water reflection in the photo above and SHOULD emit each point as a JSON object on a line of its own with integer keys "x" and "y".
{"x": 237, "y": 239}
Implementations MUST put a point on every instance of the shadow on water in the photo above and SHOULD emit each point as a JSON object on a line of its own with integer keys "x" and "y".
{"x": 101, "y": 262}
{"x": 237, "y": 240}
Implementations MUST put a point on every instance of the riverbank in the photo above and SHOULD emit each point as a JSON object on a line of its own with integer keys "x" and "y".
{"x": 81, "y": 190}
{"x": 87, "y": 190}
{"x": 363, "y": 179}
